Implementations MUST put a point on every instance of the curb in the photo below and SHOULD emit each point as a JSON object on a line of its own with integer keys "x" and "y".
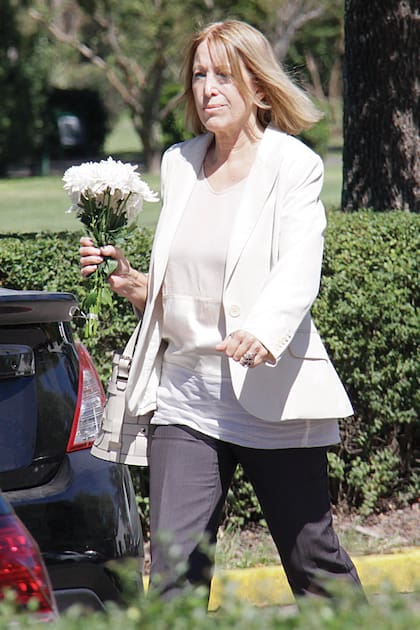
{"x": 265, "y": 586}
{"x": 268, "y": 586}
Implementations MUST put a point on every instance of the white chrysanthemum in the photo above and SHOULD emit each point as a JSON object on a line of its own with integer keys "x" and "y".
{"x": 119, "y": 180}
{"x": 107, "y": 196}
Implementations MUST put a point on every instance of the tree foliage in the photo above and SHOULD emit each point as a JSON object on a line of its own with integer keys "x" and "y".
{"x": 23, "y": 83}
{"x": 138, "y": 45}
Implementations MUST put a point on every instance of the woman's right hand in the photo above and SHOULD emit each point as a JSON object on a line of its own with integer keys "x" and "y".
{"x": 125, "y": 280}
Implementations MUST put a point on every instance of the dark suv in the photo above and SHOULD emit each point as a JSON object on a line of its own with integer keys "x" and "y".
{"x": 81, "y": 510}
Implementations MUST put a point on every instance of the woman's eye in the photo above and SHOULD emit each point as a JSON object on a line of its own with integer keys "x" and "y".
{"x": 224, "y": 77}
{"x": 198, "y": 74}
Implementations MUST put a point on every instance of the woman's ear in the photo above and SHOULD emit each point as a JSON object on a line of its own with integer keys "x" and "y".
{"x": 259, "y": 95}
{"x": 259, "y": 92}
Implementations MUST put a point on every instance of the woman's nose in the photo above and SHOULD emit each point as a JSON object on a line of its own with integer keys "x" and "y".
{"x": 210, "y": 85}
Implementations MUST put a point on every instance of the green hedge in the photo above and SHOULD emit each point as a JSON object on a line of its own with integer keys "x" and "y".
{"x": 366, "y": 313}
{"x": 387, "y": 610}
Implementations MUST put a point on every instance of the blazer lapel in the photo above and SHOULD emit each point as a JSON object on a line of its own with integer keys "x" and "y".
{"x": 179, "y": 187}
{"x": 260, "y": 183}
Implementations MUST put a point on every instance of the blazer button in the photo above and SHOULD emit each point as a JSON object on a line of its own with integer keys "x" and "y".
{"x": 234, "y": 310}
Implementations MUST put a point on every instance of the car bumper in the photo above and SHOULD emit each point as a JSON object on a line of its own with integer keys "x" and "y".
{"x": 86, "y": 523}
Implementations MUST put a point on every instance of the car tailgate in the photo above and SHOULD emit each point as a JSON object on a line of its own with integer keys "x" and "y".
{"x": 38, "y": 385}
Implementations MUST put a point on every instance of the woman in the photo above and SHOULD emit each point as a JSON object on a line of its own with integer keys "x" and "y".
{"x": 228, "y": 359}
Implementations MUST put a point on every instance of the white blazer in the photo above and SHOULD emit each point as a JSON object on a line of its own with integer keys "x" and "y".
{"x": 272, "y": 278}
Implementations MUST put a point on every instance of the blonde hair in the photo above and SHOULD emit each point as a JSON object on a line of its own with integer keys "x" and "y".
{"x": 284, "y": 104}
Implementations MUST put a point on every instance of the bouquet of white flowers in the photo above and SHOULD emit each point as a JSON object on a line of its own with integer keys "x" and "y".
{"x": 107, "y": 197}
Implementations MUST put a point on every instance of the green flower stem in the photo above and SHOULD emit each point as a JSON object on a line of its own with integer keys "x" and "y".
{"x": 106, "y": 225}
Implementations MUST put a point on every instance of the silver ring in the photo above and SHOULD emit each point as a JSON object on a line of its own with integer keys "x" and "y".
{"x": 248, "y": 359}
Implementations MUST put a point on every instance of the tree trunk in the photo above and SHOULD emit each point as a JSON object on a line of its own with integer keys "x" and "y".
{"x": 152, "y": 154}
{"x": 150, "y": 134}
{"x": 381, "y": 156}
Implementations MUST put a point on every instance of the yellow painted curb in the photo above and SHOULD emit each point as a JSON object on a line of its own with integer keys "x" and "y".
{"x": 401, "y": 570}
{"x": 265, "y": 586}
{"x": 262, "y": 586}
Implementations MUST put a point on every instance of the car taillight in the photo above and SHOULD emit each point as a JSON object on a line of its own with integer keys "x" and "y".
{"x": 22, "y": 569}
{"x": 90, "y": 404}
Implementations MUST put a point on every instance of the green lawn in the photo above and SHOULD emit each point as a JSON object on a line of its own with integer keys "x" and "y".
{"x": 122, "y": 138}
{"x": 31, "y": 204}
{"x": 331, "y": 192}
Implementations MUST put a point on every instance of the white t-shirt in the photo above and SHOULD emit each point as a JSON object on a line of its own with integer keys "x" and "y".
{"x": 195, "y": 387}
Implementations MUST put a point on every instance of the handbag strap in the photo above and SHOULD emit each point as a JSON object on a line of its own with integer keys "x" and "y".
{"x": 124, "y": 359}
{"x": 128, "y": 351}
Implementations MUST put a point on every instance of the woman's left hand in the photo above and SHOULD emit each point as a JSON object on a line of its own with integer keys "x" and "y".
{"x": 243, "y": 347}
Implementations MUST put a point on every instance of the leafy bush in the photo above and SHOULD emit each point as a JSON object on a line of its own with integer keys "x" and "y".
{"x": 387, "y": 611}
{"x": 366, "y": 313}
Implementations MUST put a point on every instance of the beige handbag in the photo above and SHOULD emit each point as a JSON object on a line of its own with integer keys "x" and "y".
{"x": 122, "y": 438}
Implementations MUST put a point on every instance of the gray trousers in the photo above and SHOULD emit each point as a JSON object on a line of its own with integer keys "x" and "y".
{"x": 190, "y": 475}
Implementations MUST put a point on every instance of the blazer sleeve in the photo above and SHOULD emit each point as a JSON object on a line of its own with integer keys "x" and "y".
{"x": 293, "y": 282}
